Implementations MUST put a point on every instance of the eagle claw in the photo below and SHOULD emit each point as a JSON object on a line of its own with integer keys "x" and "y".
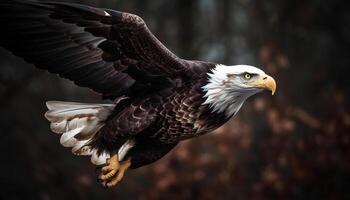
{"x": 113, "y": 171}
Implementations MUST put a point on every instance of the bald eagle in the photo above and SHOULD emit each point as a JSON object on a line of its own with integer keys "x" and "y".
{"x": 158, "y": 98}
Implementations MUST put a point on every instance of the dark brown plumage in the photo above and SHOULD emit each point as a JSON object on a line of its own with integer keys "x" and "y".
{"x": 159, "y": 121}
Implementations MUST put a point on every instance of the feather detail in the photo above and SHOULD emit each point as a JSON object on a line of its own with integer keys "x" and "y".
{"x": 123, "y": 150}
{"x": 77, "y": 123}
{"x": 99, "y": 159}
{"x": 68, "y": 138}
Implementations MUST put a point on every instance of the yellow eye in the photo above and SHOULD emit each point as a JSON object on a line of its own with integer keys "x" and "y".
{"x": 247, "y": 76}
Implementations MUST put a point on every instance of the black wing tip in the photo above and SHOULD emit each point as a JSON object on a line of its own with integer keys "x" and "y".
{"x": 58, "y": 5}
{"x": 77, "y": 7}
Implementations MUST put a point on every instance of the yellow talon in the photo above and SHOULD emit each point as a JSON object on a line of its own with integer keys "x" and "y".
{"x": 119, "y": 176}
{"x": 113, "y": 171}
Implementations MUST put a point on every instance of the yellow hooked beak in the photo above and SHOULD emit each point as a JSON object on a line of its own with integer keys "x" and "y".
{"x": 266, "y": 82}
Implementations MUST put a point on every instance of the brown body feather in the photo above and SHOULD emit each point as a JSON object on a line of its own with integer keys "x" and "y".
{"x": 158, "y": 123}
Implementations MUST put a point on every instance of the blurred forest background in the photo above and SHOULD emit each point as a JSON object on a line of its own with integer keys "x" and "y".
{"x": 294, "y": 145}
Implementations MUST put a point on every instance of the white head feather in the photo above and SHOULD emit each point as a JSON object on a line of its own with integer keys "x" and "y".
{"x": 226, "y": 90}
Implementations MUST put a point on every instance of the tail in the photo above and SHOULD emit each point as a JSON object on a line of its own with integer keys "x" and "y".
{"x": 77, "y": 123}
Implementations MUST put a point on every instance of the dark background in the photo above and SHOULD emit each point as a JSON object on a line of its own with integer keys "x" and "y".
{"x": 294, "y": 145}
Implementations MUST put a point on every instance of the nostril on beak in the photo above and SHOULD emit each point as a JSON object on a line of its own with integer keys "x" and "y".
{"x": 265, "y": 78}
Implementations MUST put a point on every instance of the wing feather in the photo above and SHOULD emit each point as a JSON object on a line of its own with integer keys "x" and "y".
{"x": 95, "y": 48}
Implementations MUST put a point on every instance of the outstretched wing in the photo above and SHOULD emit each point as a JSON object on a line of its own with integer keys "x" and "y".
{"x": 111, "y": 52}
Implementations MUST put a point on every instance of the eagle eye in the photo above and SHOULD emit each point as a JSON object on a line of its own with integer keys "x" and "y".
{"x": 247, "y": 76}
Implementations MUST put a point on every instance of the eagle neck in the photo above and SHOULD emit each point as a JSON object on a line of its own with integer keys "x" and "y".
{"x": 222, "y": 96}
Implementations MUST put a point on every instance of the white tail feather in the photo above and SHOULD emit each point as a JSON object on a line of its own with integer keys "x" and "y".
{"x": 78, "y": 123}
{"x": 68, "y": 138}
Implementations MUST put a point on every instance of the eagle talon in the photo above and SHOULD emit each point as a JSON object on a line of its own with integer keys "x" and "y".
{"x": 113, "y": 171}
{"x": 110, "y": 169}
{"x": 113, "y": 181}
{"x": 106, "y": 169}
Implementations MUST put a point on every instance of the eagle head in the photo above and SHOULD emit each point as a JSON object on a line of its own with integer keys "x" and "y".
{"x": 229, "y": 86}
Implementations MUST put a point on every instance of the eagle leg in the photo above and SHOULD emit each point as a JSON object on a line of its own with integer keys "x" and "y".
{"x": 113, "y": 172}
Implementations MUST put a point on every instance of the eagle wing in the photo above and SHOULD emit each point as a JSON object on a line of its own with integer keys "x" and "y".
{"x": 111, "y": 52}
